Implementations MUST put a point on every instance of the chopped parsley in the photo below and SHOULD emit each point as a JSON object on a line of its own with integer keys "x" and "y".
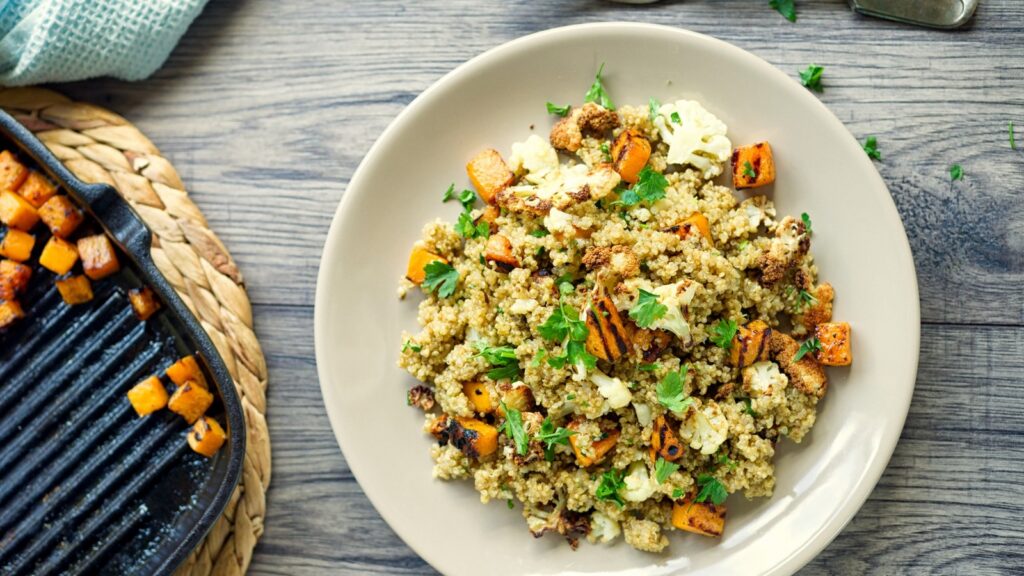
{"x": 467, "y": 197}
{"x": 652, "y": 108}
{"x": 806, "y": 298}
{"x": 675, "y": 118}
{"x": 606, "y": 151}
{"x": 663, "y": 469}
{"x": 649, "y": 367}
{"x": 608, "y": 489}
{"x": 812, "y": 344}
{"x": 1013, "y": 142}
{"x": 539, "y": 233}
{"x": 469, "y": 229}
{"x": 538, "y": 357}
{"x": 806, "y": 219}
{"x": 410, "y": 346}
{"x": 510, "y": 504}
{"x": 811, "y": 78}
{"x": 570, "y": 397}
{"x": 551, "y": 437}
{"x": 956, "y": 172}
{"x": 513, "y": 426}
{"x": 723, "y": 332}
{"x": 724, "y": 460}
{"x": 871, "y": 148}
{"x": 743, "y": 245}
{"x": 647, "y": 309}
{"x": 677, "y": 493}
{"x": 440, "y": 276}
{"x": 502, "y": 359}
{"x": 749, "y": 171}
{"x": 564, "y": 322}
{"x": 785, "y": 7}
{"x": 649, "y": 188}
{"x": 558, "y": 110}
{"x": 748, "y": 408}
{"x": 670, "y": 391}
{"x": 597, "y": 92}
{"x": 711, "y": 489}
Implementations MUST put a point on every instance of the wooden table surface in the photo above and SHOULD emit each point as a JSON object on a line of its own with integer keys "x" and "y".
{"x": 266, "y": 109}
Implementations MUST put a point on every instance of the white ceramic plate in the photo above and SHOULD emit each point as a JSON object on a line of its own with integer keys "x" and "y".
{"x": 492, "y": 101}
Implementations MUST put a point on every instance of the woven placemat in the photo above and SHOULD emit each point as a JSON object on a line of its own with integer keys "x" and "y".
{"x": 100, "y": 146}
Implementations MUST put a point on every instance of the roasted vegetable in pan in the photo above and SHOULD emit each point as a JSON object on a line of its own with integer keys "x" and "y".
{"x": 98, "y": 257}
{"x": 148, "y": 396}
{"x": 59, "y": 256}
{"x": 206, "y": 436}
{"x": 14, "y": 277}
{"x": 752, "y": 166}
{"x": 190, "y": 401}
{"x": 186, "y": 370}
{"x": 74, "y": 290}
{"x": 10, "y": 312}
{"x": 12, "y": 172}
{"x": 608, "y": 338}
{"x": 630, "y": 153}
{"x": 16, "y": 212}
{"x": 144, "y": 302}
{"x": 36, "y": 189}
{"x": 60, "y": 216}
{"x": 16, "y": 244}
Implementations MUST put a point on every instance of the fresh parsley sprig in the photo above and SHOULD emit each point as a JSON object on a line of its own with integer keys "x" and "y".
{"x": 806, "y": 298}
{"x": 748, "y": 170}
{"x": 649, "y": 188}
{"x": 871, "y": 148}
{"x": 608, "y": 489}
{"x": 652, "y": 108}
{"x": 785, "y": 7}
{"x": 812, "y": 344}
{"x": 811, "y": 77}
{"x": 513, "y": 426}
{"x": 1013, "y": 141}
{"x": 647, "y": 309}
{"x": 723, "y": 332}
{"x": 558, "y": 110}
{"x": 806, "y": 219}
{"x": 440, "y": 276}
{"x": 712, "y": 489}
{"x": 551, "y": 437}
{"x": 671, "y": 392}
{"x": 956, "y": 172}
{"x": 503, "y": 361}
{"x": 597, "y": 93}
{"x": 564, "y": 326}
{"x": 663, "y": 469}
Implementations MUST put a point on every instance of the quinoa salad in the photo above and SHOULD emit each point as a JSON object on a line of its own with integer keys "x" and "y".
{"x": 611, "y": 341}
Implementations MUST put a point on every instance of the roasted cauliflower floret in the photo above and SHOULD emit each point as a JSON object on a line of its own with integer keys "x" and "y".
{"x": 705, "y": 428}
{"x": 763, "y": 379}
{"x": 805, "y": 374}
{"x": 612, "y": 262}
{"x": 591, "y": 119}
{"x": 789, "y": 245}
{"x": 698, "y": 139}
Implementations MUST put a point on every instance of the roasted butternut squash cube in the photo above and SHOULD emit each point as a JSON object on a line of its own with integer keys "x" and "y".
{"x": 58, "y": 256}
{"x": 16, "y": 244}
{"x": 98, "y": 257}
{"x": 60, "y": 215}
{"x": 499, "y": 250}
{"x": 206, "y": 436}
{"x": 187, "y": 370}
{"x": 418, "y": 261}
{"x": 752, "y": 166}
{"x": 190, "y": 401}
{"x": 750, "y": 344}
{"x": 630, "y": 153}
{"x": 10, "y": 312}
{"x": 37, "y": 189}
{"x": 489, "y": 215}
{"x": 664, "y": 441}
{"x": 696, "y": 223}
{"x": 16, "y": 212}
{"x": 598, "y": 449}
{"x": 144, "y": 302}
{"x": 489, "y": 174}
{"x": 12, "y": 172}
{"x": 74, "y": 290}
{"x": 148, "y": 396}
{"x": 14, "y": 277}
{"x": 702, "y": 518}
{"x": 835, "y": 343}
{"x": 475, "y": 438}
{"x": 479, "y": 397}
{"x": 608, "y": 337}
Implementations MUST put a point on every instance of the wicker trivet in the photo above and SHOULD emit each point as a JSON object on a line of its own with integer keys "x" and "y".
{"x": 100, "y": 146}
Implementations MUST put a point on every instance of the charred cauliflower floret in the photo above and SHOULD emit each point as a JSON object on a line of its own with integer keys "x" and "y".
{"x": 789, "y": 245}
{"x": 763, "y": 379}
{"x": 571, "y": 525}
{"x": 705, "y": 428}
{"x": 805, "y": 374}
{"x": 612, "y": 262}
{"x": 695, "y": 137}
{"x": 591, "y": 119}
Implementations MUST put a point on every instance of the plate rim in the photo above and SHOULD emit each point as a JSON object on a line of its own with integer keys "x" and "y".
{"x": 813, "y": 546}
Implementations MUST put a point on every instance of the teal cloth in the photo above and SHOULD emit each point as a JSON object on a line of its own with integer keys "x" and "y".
{"x": 64, "y": 40}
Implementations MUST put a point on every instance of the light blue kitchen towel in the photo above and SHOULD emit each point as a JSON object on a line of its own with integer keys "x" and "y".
{"x": 64, "y": 40}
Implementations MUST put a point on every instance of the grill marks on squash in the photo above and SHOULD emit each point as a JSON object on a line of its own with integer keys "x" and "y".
{"x": 608, "y": 337}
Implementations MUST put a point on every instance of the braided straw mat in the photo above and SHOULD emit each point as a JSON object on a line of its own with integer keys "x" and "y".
{"x": 99, "y": 146}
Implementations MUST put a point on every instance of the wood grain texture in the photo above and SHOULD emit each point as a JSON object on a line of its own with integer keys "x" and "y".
{"x": 266, "y": 109}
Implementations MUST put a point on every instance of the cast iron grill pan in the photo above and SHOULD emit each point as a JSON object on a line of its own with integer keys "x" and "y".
{"x": 86, "y": 486}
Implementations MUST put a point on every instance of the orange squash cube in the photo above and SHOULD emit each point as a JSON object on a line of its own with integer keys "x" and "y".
{"x": 206, "y": 436}
{"x": 489, "y": 174}
{"x": 16, "y": 212}
{"x": 60, "y": 215}
{"x": 58, "y": 256}
{"x": 144, "y": 302}
{"x": 750, "y": 344}
{"x": 148, "y": 396}
{"x": 10, "y": 312}
{"x": 14, "y": 277}
{"x": 664, "y": 441}
{"x": 74, "y": 290}
{"x": 695, "y": 223}
{"x": 499, "y": 250}
{"x": 190, "y": 401}
{"x": 752, "y": 166}
{"x": 598, "y": 449}
{"x": 479, "y": 397}
{"x": 12, "y": 172}
{"x": 630, "y": 153}
{"x": 98, "y": 257}
{"x": 418, "y": 260}
{"x": 835, "y": 343}
{"x": 17, "y": 245}
{"x": 702, "y": 518}
{"x": 187, "y": 370}
{"x": 477, "y": 437}
{"x": 37, "y": 189}
{"x": 608, "y": 337}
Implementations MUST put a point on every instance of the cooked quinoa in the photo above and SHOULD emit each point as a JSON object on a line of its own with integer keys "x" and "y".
{"x": 610, "y": 351}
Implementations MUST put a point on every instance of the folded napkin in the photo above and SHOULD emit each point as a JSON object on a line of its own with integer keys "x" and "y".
{"x": 63, "y": 40}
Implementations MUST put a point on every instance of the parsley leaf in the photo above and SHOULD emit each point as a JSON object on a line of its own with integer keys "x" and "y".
{"x": 711, "y": 489}
{"x": 812, "y": 344}
{"x": 449, "y": 193}
{"x": 606, "y": 151}
{"x": 806, "y": 219}
{"x": 652, "y": 108}
{"x": 503, "y": 361}
{"x": 724, "y": 460}
{"x": 441, "y": 276}
{"x": 785, "y": 7}
{"x": 749, "y": 171}
{"x": 871, "y": 148}
{"x": 1013, "y": 142}
{"x": 469, "y": 229}
{"x": 806, "y": 298}
{"x": 551, "y": 437}
{"x": 723, "y": 332}
{"x": 538, "y": 357}
{"x": 743, "y": 245}
{"x": 563, "y": 322}
{"x": 647, "y": 309}
{"x": 539, "y": 233}
{"x": 956, "y": 172}
{"x": 597, "y": 93}
{"x": 649, "y": 367}
{"x": 575, "y": 352}
{"x": 649, "y": 188}
{"x": 811, "y": 77}
{"x": 410, "y": 346}
{"x": 513, "y": 426}
{"x": 670, "y": 391}
{"x": 677, "y": 493}
{"x": 663, "y": 469}
{"x": 608, "y": 489}
{"x": 558, "y": 110}
{"x": 511, "y": 505}
{"x": 675, "y": 118}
